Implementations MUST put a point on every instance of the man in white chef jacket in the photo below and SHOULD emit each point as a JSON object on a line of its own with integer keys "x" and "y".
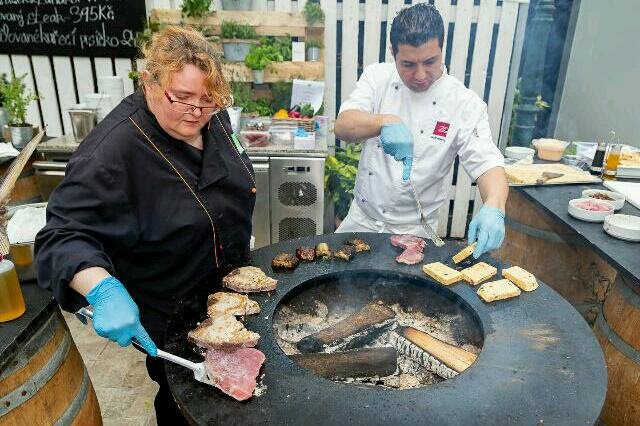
{"x": 413, "y": 119}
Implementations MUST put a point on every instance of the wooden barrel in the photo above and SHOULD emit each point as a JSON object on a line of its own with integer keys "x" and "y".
{"x": 555, "y": 254}
{"x": 617, "y": 332}
{"x": 26, "y": 189}
{"x": 47, "y": 383}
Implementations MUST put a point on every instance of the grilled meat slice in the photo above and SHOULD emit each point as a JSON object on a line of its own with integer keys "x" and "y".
{"x": 358, "y": 245}
{"x": 284, "y": 262}
{"x": 222, "y": 331}
{"x": 344, "y": 253}
{"x": 248, "y": 279}
{"x": 224, "y": 302}
{"x": 306, "y": 254}
{"x": 323, "y": 251}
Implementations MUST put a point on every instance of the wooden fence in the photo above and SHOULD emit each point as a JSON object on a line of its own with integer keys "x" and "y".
{"x": 483, "y": 41}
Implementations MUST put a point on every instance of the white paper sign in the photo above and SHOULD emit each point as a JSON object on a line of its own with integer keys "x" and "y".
{"x": 307, "y": 92}
{"x": 297, "y": 51}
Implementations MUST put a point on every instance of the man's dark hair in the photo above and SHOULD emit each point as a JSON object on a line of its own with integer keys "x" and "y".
{"x": 416, "y": 25}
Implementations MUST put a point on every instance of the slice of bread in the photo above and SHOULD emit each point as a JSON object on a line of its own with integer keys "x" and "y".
{"x": 442, "y": 273}
{"x": 222, "y": 331}
{"x": 464, "y": 253}
{"x": 520, "y": 277}
{"x": 498, "y": 290}
{"x": 478, "y": 273}
{"x": 231, "y": 303}
{"x": 249, "y": 279}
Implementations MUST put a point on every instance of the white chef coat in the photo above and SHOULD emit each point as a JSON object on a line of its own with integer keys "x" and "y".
{"x": 446, "y": 120}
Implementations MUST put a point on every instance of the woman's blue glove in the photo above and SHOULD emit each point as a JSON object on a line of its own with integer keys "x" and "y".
{"x": 397, "y": 141}
{"x": 488, "y": 226}
{"x": 116, "y": 315}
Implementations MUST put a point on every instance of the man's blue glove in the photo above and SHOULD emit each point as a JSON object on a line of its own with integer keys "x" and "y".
{"x": 397, "y": 141}
{"x": 488, "y": 226}
{"x": 116, "y": 315}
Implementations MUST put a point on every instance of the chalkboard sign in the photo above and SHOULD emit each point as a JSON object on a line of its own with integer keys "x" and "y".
{"x": 70, "y": 27}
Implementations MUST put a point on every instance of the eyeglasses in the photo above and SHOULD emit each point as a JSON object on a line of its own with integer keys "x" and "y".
{"x": 187, "y": 108}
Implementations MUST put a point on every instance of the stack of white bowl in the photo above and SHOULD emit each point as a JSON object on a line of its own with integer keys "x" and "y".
{"x": 113, "y": 86}
{"x": 100, "y": 102}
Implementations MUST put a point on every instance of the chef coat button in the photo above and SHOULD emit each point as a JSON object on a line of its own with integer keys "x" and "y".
{"x": 370, "y": 173}
{"x": 383, "y": 211}
{"x": 421, "y": 131}
{"x": 396, "y": 86}
{"x": 254, "y": 190}
{"x": 434, "y": 102}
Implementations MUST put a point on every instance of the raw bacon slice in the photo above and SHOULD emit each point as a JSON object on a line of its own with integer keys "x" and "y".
{"x": 413, "y": 247}
{"x": 234, "y": 371}
{"x": 410, "y": 256}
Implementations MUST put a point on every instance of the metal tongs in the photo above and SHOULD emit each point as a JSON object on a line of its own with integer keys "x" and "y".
{"x": 198, "y": 368}
{"x": 428, "y": 229}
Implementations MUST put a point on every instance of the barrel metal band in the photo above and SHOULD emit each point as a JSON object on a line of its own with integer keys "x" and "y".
{"x": 630, "y": 296}
{"x": 77, "y": 403}
{"x": 28, "y": 389}
{"x": 628, "y": 350}
{"x": 542, "y": 234}
{"x": 33, "y": 345}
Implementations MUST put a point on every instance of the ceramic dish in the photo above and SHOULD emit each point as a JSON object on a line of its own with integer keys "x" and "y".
{"x": 617, "y": 199}
{"x": 518, "y": 152}
{"x": 577, "y": 209}
{"x": 623, "y": 226}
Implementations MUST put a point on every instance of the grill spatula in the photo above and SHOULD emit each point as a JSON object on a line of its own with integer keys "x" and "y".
{"x": 428, "y": 229}
{"x": 198, "y": 368}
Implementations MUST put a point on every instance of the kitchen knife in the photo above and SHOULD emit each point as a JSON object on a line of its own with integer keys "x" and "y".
{"x": 428, "y": 229}
{"x": 198, "y": 368}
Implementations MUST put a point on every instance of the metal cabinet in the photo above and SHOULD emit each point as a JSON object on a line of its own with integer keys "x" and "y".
{"x": 261, "y": 213}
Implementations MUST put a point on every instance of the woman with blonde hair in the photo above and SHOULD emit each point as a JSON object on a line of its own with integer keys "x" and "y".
{"x": 156, "y": 203}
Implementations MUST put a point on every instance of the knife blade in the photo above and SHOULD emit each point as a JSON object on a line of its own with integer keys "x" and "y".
{"x": 428, "y": 229}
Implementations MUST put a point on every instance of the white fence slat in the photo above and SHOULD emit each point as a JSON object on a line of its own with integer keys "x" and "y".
{"x": 176, "y": 4}
{"x": 123, "y": 66}
{"x": 47, "y": 93}
{"x": 103, "y": 66}
{"x": 349, "y": 74}
{"x": 330, "y": 29}
{"x": 444, "y": 7}
{"x": 217, "y": 4}
{"x": 283, "y": 5}
{"x": 66, "y": 91}
{"x": 161, "y": 4}
{"x": 5, "y": 65}
{"x": 84, "y": 76}
{"x": 443, "y": 211}
{"x": 301, "y": 4}
{"x": 372, "y": 21}
{"x": 260, "y": 4}
{"x": 21, "y": 66}
{"x": 393, "y": 8}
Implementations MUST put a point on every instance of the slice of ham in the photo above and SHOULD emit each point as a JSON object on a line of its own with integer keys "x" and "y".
{"x": 413, "y": 247}
{"x": 410, "y": 256}
{"x": 234, "y": 371}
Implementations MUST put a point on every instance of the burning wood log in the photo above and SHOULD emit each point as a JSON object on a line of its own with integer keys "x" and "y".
{"x": 365, "y": 362}
{"x": 442, "y": 358}
{"x": 353, "y": 331}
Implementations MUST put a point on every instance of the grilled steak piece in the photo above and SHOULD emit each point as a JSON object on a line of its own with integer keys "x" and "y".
{"x": 222, "y": 331}
{"x": 223, "y": 302}
{"x": 323, "y": 251}
{"x": 306, "y": 254}
{"x": 410, "y": 256}
{"x": 413, "y": 247}
{"x": 234, "y": 372}
{"x": 358, "y": 245}
{"x": 344, "y": 253}
{"x": 284, "y": 262}
{"x": 248, "y": 279}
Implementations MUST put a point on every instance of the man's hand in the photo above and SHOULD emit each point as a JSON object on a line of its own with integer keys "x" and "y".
{"x": 488, "y": 227}
{"x": 397, "y": 141}
{"x": 116, "y": 315}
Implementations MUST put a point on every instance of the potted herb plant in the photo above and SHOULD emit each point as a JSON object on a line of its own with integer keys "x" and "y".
{"x": 257, "y": 60}
{"x": 16, "y": 99}
{"x": 313, "y": 50}
{"x": 4, "y": 118}
{"x": 237, "y": 40}
{"x": 237, "y": 4}
{"x": 340, "y": 178}
{"x": 195, "y": 8}
{"x": 313, "y": 12}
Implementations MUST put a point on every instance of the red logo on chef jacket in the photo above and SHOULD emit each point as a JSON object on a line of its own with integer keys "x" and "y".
{"x": 441, "y": 129}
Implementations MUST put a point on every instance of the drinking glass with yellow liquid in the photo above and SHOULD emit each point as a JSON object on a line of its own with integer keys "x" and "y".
{"x": 11, "y": 300}
{"x": 611, "y": 163}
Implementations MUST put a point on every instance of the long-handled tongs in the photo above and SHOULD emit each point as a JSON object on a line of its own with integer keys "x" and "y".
{"x": 428, "y": 229}
{"x": 198, "y": 368}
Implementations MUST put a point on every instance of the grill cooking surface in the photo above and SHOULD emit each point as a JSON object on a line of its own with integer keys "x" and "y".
{"x": 539, "y": 359}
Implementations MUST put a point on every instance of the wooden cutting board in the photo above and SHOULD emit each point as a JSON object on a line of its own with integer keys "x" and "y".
{"x": 521, "y": 175}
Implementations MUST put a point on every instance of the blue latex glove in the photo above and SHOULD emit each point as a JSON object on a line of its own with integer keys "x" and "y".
{"x": 488, "y": 226}
{"x": 397, "y": 141}
{"x": 116, "y": 315}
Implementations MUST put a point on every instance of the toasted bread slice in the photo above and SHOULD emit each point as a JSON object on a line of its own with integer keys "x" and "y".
{"x": 478, "y": 273}
{"x": 520, "y": 277}
{"x": 442, "y": 273}
{"x": 248, "y": 279}
{"x": 464, "y": 253}
{"x": 222, "y": 331}
{"x": 498, "y": 290}
{"x": 231, "y": 303}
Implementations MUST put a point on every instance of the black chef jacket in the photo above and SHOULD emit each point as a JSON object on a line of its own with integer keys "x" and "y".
{"x": 159, "y": 215}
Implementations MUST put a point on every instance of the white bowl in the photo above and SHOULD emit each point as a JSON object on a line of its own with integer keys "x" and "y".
{"x": 589, "y": 215}
{"x": 618, "y": 199}
{"x": 518, "y": 152}
{"x": 623, "y": 226}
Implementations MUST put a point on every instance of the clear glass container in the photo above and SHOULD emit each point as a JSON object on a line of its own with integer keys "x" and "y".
{"x": 11, "y": 300}
{"x": 611, "y": 163}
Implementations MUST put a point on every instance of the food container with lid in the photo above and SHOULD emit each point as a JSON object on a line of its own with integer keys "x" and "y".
{"x": 623, "y": 226}
{"x": 255, "y": 138}
{"x": 590, "y": 209}
{"x": 616, "y": 199}
{"x": 518, "y": 152}
{"x": 550, "y": 149}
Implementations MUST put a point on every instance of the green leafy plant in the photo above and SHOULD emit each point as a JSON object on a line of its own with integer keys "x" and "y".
{"x": 263, "y": 107}
{"x": 541, "y": 105}
{"x": 16, "y": 98}
{"x": 242, "y": 95}
{"x": 234, "y": 30}
{"x": 258, "y": 58}
{"x": 144, "y": 37}
{"x": 281, "y": 95}
{"x": 313, "y": 43}
{"x": 195, "y": 8}
{"x": 313, "y": 12}
{"x": 340, "y": 177}
{"x": 3, "y": 80}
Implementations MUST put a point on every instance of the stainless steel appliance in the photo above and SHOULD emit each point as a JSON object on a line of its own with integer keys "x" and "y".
{"x": 261, "y": 213}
